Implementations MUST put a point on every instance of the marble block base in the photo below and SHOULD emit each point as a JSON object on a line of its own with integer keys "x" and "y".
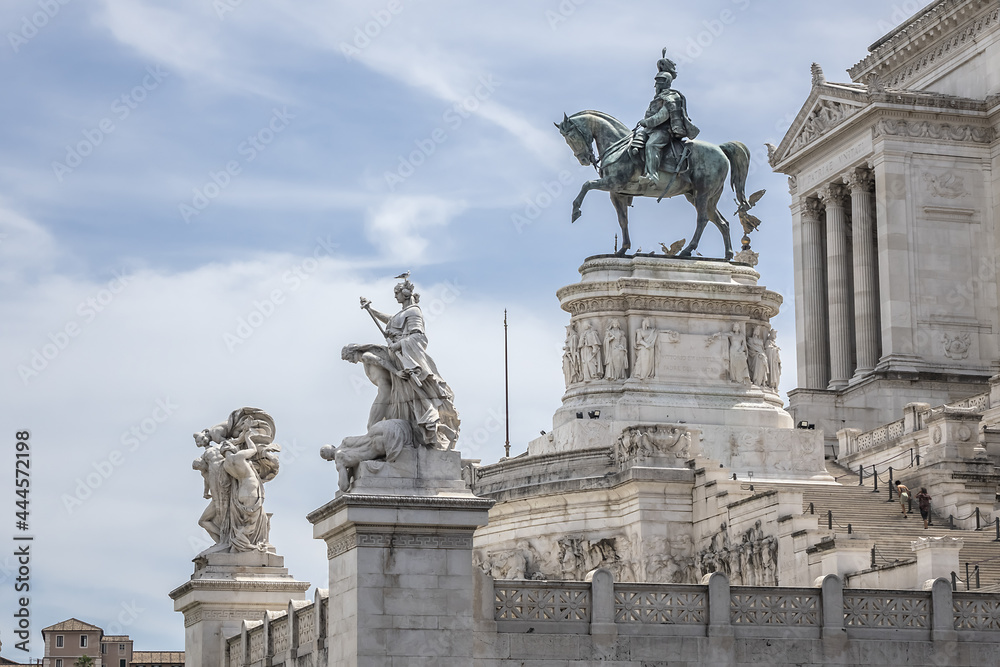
{"x": 225, "y": 590}
{"x": 417, "y": 471}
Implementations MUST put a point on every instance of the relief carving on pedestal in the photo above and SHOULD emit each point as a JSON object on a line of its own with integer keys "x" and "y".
{"x": 751, "y": 560}
{"x": 735, "y": 353}
{"x": 571, "y": 357}
{"x": 590, "y": 354}
{"x": 637, "y": 443}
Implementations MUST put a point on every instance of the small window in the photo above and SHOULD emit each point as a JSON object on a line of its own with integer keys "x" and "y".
{"x": 58, "y": 662}
{"x": 121, "y": 663}
{"x": 59, "y": 644}
{"x": 83, "y": 641}
{"x": 104, "y": 647}
{"x": 121, "y": 648}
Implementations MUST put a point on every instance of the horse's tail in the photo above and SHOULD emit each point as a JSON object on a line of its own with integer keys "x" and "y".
{"x": 739, "y": 162}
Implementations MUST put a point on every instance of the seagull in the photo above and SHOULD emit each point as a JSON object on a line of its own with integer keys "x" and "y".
{"x": 405, "y": 275}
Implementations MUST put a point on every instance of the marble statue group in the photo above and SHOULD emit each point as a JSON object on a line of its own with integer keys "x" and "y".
{"x": 413, "y": 405}
{"x": 240, "y": 456}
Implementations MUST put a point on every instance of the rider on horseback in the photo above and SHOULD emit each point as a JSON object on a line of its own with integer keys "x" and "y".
{"x": 666, "y": 122}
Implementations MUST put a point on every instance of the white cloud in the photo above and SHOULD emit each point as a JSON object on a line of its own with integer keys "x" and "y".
{"x": 399, "y": 227}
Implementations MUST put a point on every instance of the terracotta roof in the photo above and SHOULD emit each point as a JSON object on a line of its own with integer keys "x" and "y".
{"x": 7, "y": 661}
{"x": 115, "y": 638}
{"x": 71, "y": 625}
{"x": 157, "y": 657}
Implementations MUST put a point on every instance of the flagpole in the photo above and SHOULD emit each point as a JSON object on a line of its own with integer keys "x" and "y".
{"x": 506, "y": 388}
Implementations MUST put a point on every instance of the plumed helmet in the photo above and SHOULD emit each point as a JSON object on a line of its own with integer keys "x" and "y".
{"x": 665, "y": 64}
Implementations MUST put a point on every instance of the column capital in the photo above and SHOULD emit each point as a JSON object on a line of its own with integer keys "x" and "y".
{"x": 859, "y": 180}
{"x": 833, "y": 194}
{"x": 811, "y": 208}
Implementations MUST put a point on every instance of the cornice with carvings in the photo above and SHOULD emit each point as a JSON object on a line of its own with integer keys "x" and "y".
{"x": 894, "y": 76}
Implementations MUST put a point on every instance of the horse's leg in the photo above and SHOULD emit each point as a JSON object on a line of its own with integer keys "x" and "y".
{"x": 621, "y": 203}
{"x": 578, "y": 202}
{"x": 701, "y": 206}
{"x": 721, "y": 223}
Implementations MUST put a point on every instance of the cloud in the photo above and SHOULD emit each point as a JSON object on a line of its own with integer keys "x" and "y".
{"x": 25, "y": 246}
{"x": 399, "y": 227}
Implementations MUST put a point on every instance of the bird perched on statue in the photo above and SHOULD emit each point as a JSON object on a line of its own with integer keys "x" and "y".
{"x": 674, "y": 248}
{"x": 405, "y": 275}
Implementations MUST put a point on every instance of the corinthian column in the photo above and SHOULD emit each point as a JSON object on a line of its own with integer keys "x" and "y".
{"x": 837, "y": 284}
{"x": 814, "y": 303}
{"x": 866, "y": 303}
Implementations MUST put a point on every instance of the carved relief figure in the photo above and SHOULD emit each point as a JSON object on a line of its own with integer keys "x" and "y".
{"x": 752, "y": 561}
{"x": 773, "y": 353}
{"x": 947, "y": 185}
{"x": 739, "y": 371}
{"x": 239, "y": 457}
{"x": 957, "y": 347}
{"x": 757, "y": 357}
{"x": 578, "y": 556}
{"x": 615, "y": 352}
{"x": 590, "y": 353}
{"x": 645, "y": 351}
{"x": 571, "y": 356}
{"x": 637, "y": 443}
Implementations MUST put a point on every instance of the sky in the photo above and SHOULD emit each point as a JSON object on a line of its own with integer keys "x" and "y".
{"x": 194, "y": 194}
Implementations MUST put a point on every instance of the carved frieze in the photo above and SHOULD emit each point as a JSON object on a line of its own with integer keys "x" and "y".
{"x": 749, "y": 560}
{"x": 823, "y": 117}
{"x": 924, "y": 129}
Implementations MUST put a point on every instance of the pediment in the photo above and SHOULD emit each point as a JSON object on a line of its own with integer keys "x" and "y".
{"x": 827, "y": 106}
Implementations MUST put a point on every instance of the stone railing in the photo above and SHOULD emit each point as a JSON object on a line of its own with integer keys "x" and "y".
{"x": 718, "y": 609}
{"x": 883, "y": 435}
{"x": 977, "y": 403}
{"x": 294, "y": 637}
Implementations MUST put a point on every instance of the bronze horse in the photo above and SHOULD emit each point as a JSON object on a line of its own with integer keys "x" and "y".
{"x": 620, "y": 173}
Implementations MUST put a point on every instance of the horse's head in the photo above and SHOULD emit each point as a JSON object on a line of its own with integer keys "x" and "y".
{"x": 579, "y": 140}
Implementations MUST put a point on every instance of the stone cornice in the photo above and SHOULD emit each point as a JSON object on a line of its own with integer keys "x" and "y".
{"x": 935, "y": 34}
{"x": 409, "y": 502}
{"x": 239, "y": 585}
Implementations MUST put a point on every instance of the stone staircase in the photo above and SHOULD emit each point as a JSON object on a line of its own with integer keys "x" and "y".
{"x": 869, "y": 513}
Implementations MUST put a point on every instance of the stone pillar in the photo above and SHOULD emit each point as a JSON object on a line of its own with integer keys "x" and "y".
{"x": 719, "y": 622}
{"x": 866, "y": 303}
{"x": 832, "y": 596}
{"x": 401, "y": 573}
{"x": 226, "y": 590}
{"x": 937, "y": 558}
{"x": 814, "y": 302}
{"x": 838, "y": 286}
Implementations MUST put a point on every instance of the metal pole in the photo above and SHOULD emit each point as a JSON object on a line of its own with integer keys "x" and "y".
{"x": 911, "y": 456}
{"x": 977, "y": 576}
{"x": 849, "y": 529}
{"x": 951, "y": 521}
{"x": 861, "y": 475}
{"x": 978, "y": 527}
{"x": 918, "y": 459}
{"x": 873, "y": 558}
{"x": 954, "y": 584}
{"x": 812, "y": 510}
{"x": 968, "y": 580}
{"x": 829, "y": 519}
{"x": 875, "y": 475}
{"x": 890, "y": 485}
{"x": 997, "y": 521}
{"x": 506, "y": 389}
{"x": 909, "y": 504}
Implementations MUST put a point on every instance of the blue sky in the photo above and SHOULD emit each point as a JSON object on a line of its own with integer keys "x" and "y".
{"x": 170, "y": 168}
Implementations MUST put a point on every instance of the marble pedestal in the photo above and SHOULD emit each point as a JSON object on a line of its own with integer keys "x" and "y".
{"x": 400, "y": 551}
{"x": 225, "y": 590}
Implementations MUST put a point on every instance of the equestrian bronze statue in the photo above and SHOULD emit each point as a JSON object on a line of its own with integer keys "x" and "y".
{"x": 659, "y": 158}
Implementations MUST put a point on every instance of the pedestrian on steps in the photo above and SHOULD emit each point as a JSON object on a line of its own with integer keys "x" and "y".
{"x": 924, "y": 501}
{"x": 904, "y": 496}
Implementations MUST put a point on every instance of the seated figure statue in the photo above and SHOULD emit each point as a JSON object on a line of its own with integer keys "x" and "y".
{"x": 384, "y": 439}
